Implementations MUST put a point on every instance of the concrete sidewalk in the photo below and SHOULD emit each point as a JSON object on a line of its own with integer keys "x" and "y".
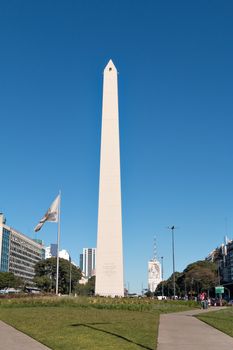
{"x": 11, "y": 339}
{"x": 182, "y": 331}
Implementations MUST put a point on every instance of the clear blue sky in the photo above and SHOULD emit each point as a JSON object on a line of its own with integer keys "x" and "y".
{"x": 176, "y": 119}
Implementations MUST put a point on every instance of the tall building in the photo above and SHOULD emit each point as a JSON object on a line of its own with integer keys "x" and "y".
{"x": 51, "y": 251}
{"x": 109, "y": 262}
{"x": 42, "y": 244}
{"x": 223, "y": 257}
{"x": 63, "y": 254}
{"x": 53, "y": 248}
{"x": 88, "y": 262}
{"x": 154, "y": 274}
{"x": 227, "y": 265}
{"x": 81, "y": 262}
{"x": 18, "y": 253}
{"x": 48, "y": 252}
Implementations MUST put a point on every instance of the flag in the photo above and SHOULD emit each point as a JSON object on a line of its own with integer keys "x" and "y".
{"x": 50, "y": 215}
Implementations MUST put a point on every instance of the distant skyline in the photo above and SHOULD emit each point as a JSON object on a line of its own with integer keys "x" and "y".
{"x": 176, "y": 119}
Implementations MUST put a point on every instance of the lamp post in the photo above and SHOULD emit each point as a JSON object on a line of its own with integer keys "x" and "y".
{"x": 162, "y": 278}
{"x": 172, "y": 228}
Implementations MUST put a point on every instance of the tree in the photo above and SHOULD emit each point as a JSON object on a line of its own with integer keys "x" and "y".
{"x": 168, "y": 286}
{"x": 149, "y": 294}
{"x": 45, "y": 271}
{"x": 9, "y": 280}
{"x": 43, "y": 282}
{"x": 201, "y": 275}
{"x": 88, "y": 288}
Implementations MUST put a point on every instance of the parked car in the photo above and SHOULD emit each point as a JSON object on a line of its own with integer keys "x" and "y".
{"x": 2, "y": 291}
{"x": 9, "y": 291}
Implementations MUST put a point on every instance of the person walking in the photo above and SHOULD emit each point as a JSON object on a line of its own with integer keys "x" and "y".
{"x": 202, "y": 299}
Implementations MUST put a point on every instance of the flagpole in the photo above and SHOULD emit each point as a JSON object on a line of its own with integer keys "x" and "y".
{"x": 58, "y": 239}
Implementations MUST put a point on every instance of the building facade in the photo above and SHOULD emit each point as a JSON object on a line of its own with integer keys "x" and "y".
{"x": 48, "y": 252}
{"x": 63, "y": 254}
{"x": 18, "y": 253}
{"x": 88, "y": 261}
{"x": 51, "y": 252}
{"x": 53, "y": 249}
{"x": 81, "y": 262}
{"x": 228, "y": 268}
{"x": 223, "y": 257}
{"x": 154, "y": 274}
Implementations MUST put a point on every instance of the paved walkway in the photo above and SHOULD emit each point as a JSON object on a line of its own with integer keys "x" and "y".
{"x": 182, "y": 331}
{"x": 11, "y": 339}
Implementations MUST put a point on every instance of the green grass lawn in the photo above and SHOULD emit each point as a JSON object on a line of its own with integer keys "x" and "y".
{"x": 92, "y": 324}
{"x": 78, "y": 328}
{"x": 222, "y": 320}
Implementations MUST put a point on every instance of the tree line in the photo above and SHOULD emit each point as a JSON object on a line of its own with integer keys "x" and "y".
{"x": 199, "y": 276}
{"x": 45, "y": 278}
{"x": 9, "y": 280}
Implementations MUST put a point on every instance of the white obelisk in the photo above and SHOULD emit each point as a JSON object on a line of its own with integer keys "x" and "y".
{"x": 109, "y": 259}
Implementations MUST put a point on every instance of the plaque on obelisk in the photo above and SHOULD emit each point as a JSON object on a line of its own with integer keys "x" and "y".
{"x": 109, "y": 259}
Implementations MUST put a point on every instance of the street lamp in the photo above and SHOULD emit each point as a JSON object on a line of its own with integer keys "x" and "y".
{"x": 172, "y": 228}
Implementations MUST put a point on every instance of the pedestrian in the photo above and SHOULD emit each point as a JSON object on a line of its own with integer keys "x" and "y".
{"x": 206, "y": 302}
{"x": 202, "y": 299}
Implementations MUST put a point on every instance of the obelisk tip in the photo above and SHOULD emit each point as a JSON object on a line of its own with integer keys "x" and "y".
{"x": 110, "y": 67}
